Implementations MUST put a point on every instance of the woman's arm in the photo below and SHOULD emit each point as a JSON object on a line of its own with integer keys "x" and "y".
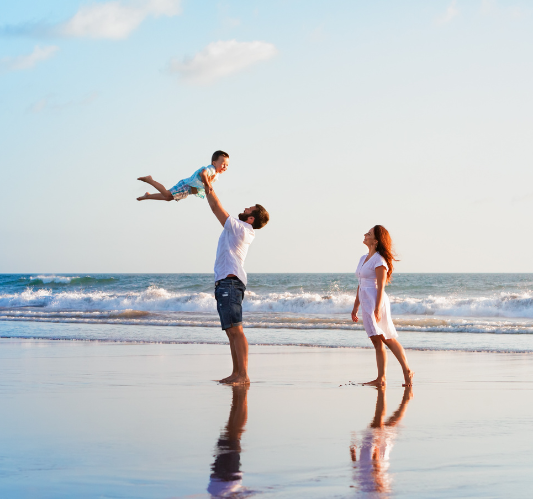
{"x": 355, "y": 306}
{"x": 381, "y": 275}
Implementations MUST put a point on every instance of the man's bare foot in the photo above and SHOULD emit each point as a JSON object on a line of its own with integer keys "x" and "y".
{"x": 409, "y": 375}
{"x": 376, "y": 382}
{"x": 228, "y": 379}
{"x": 240, "y": 380}
{"x": 140, "y": 198}
{"x": 147, "y": 179}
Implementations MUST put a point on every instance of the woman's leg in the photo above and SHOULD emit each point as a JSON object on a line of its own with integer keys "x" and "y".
{"x": 381, "y": 360}
{"x": 396, "y": 348}
{"x": 160, "y": 187}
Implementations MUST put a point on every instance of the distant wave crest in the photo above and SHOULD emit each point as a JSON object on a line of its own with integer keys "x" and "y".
{"x": 41, "y": 280}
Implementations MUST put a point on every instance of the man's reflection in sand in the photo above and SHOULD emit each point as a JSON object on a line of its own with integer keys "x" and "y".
{"x": 371, "y": 469}
{"x": 226, "y": 479}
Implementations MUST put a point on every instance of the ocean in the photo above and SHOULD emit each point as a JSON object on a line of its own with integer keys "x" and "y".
{"x": 438, "y": 311}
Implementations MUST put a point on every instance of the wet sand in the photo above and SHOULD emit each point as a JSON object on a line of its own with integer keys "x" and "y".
{"x": 92, "y": 419}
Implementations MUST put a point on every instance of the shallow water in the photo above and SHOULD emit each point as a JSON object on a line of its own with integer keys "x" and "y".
{"x": 326, "y": 338}
{"x": 92, "y": 419}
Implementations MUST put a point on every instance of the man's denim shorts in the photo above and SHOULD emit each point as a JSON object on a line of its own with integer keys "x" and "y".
{"x": 229, "y": 294}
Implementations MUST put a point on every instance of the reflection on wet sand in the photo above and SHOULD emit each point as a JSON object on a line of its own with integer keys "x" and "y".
{"x": 371, "y": 469}
{"x": 226, "y": 476}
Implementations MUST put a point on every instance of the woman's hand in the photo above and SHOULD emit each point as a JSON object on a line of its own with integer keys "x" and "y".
{"x": 354, "y": 315}
{"x": 377, "y": 314}
{"x": 208, "y": 188}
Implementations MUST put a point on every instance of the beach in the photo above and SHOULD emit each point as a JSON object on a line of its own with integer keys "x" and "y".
{"x": 222, "y": 218}
{"x": 129, "y": 419}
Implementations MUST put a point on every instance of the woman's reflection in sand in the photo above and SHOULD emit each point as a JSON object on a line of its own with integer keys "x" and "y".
{"x": 371, "y": 468}
{"x": 226, "y": 476}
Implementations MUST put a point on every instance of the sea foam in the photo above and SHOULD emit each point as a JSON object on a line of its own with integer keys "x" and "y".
{"x": 157, "y": 299}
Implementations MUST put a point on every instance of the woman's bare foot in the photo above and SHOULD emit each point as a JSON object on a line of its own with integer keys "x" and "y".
{"x": 147, "y": 179}
{"x": 408, "y": 393}
{"x": 376, "y": 382}
{"x": 409, "y": 375}
{"x": 140, "y": 198}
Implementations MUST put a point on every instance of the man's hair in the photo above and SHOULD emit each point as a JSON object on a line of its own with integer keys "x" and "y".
{"x": 261, "y": 217}
{"x": 217, "y": 155}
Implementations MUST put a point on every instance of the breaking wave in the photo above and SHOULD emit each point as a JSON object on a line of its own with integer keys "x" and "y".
{"x": 157, "y": 299}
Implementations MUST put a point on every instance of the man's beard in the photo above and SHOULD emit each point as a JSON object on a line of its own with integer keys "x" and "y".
{"x": 243, "y": 217}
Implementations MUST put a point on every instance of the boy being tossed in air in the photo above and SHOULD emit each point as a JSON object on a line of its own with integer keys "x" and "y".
{"x": 199, "y": 183}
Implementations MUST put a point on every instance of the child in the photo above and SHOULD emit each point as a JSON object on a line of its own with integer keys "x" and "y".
{"x": 198, "y": 184}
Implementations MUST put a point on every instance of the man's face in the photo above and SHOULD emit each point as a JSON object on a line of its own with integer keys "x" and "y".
{"x": 221, "y": 164}
{"x": 243, "y": 217}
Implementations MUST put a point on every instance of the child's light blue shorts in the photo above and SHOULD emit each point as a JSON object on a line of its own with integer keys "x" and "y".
{"x": 180, "y": 191}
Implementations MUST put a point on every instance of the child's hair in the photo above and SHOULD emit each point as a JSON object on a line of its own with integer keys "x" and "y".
{"x": 217, "y": 155}
{"x": 261, "y": 217}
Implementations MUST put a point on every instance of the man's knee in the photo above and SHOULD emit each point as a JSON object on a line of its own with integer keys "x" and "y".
{"x": 235, "y": 331}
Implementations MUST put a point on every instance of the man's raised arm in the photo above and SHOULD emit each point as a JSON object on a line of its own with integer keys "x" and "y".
{"x": 216, "y": 207}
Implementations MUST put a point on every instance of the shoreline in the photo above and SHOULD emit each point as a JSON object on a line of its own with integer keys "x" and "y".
{"x": 221, "y": 343}
{"x": 322, "y": 338}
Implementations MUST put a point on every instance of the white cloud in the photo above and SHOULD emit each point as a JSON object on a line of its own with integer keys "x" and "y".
{"x": 115, "y": 20}
{"x": 451, "y": 12}
{"x": 318, "y": 34}
{"x": 492, "y": 8}
{"x": 48, "y": 103}
{"x": 221, "y": 58}
{"x": 488, "y": 7}
{"x": 28, "y": 61}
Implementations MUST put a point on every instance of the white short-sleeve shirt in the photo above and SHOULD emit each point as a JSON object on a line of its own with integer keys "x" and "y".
{"x": 232, "y": 249}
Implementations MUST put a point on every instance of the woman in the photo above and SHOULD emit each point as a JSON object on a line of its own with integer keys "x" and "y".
{"x": 374, "y": 272}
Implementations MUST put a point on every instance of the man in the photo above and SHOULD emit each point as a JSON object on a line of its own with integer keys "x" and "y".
{"x": 230, "y": 279}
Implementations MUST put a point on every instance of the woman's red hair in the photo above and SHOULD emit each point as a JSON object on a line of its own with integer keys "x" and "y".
{"x": 384, "y": 248}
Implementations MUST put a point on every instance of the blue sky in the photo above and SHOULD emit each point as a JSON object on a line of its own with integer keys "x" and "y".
{"x": 337, "y": 115}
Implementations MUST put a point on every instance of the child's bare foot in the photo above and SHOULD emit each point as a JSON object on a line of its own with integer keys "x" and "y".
{"x": 140, "y": 198}
{"x": 147, "y": 179}
{"x": 409, "y": 375}
{"x": 376, "y": 382}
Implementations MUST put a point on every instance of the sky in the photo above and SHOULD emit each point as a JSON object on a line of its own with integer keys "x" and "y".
{"x": 337, "y": 115}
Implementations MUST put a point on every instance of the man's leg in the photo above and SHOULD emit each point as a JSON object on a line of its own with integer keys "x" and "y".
{"x": 235, "y": 371}
{"x": 239, "y": 353}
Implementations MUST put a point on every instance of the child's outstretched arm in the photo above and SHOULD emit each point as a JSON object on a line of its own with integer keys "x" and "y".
{"x": 216, "y": 207}
{"x": 204, "y": 177}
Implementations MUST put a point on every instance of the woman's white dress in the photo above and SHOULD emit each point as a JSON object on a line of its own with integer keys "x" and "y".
{"x": 368, "y": 292}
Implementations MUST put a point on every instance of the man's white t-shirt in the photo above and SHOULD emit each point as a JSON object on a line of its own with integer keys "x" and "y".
{"x": 232, "y": 249}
